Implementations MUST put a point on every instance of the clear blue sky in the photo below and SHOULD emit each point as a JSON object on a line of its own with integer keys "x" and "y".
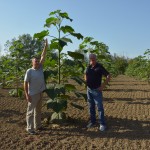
{"x": 124, "y": 25}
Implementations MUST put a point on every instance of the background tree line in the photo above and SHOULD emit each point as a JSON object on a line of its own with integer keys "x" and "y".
{"x": 20, "y": 50}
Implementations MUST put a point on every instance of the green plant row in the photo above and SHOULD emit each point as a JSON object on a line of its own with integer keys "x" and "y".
{"x": 139, "y": 67}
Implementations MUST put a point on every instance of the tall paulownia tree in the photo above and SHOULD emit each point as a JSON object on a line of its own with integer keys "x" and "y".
{"x": 58, "y": 73}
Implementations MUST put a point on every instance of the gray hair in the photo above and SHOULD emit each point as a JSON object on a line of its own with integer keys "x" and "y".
{"x": 92, "y": 56}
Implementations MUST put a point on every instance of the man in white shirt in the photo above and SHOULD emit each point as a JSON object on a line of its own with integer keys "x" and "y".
{"x": 34, "y": 85}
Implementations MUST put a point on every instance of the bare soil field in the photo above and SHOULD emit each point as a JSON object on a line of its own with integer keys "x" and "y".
{"x": 127, "y": 111}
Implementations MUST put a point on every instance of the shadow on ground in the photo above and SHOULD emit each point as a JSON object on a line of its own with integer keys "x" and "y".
{"x": 117, "y": 128}
{"x": 143, "y": 101}
{"x": 127, "y": 90}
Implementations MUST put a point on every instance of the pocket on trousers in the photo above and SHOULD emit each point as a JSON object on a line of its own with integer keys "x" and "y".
{"x": 95, "y": 92}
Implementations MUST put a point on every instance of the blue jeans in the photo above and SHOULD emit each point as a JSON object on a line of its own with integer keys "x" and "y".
{"x": 95, "y": 97}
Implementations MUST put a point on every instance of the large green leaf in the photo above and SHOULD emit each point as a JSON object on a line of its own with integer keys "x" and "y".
{"x": 75, "y": 55}
{"x": 57, "y": 45}
{"x": 88, "y": 39}
{"x": 60, "y": 89}
{"x": 48, "y": 73}
{"x": 51, "y": 103}
{"x": 77, "y": 106}
{"x": 82, "y": 46}
{"x": 77, "y": 35}
{"x": 67, "y": 29}
{"x": 94, "y": 43}
{"x": 55, "y": 12}
{"x": 54, "y": 45}
{"x": 50, "y": 63}
{"x": 58, "y": 105}
{"x": 66, "y": 40}
{"x": 58, "y": 116}
{"x": 41, "y": 35}
{"x": 61, "y": 14}
{"x": 53, "y": 91}
{"x": 62, "y": 43}
{"x": 50, "y": 91}
{"x": 52, "y": 21}
{"x": 65, "y": 15}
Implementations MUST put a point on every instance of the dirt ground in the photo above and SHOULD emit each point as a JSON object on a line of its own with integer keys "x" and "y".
{"x": 127, "y": 111}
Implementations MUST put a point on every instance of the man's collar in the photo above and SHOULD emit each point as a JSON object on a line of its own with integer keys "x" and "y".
{"x": 94, "y": 65}
{"x": 35, "y": 68}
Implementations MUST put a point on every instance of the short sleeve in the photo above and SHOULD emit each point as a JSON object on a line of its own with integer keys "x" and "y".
{"x": 104, "y": 71}
{"x": 27, "y": 75}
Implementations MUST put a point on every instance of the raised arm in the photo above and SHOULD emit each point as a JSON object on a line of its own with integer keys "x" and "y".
{"x": 43, "y": 55}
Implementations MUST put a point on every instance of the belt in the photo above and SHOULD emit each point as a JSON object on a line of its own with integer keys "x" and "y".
{"x": 93, "y": 89}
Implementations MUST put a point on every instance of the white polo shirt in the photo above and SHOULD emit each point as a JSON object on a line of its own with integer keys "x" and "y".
{"x": 35, "y": 78}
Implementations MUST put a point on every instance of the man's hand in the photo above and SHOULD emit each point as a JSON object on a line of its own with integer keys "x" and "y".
{"x": 46, "y": 43}
{"x": 28, "y": 98}
{"x": 105, "y": 83}
{"x": 102, "y": 87}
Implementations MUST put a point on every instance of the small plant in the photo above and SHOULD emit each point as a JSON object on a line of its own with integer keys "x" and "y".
{"x": 16, "y": 93}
